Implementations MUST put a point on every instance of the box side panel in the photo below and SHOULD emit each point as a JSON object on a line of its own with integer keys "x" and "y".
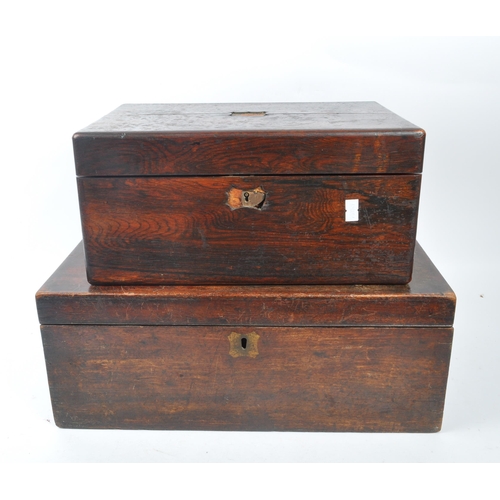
{"x": 249, "y": 153}
{"x": 267, "y": 379}
{"x": 160, "y": 230}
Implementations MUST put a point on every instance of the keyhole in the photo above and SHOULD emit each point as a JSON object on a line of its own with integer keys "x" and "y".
{"x": 246, "y": 195}
{"x": 243, "y": 342}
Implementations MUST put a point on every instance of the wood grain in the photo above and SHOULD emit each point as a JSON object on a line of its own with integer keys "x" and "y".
{"x": 67, "y": 298}
{"x": 175, "y": 230}
{"x": 252, "y": 153}
{"x": 303, "y": 379}
{"x": 290, "y": 138}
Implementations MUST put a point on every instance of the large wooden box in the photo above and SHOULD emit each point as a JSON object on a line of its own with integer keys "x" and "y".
{"x": 318, "y": 193}
{"x": 275, "y": 358}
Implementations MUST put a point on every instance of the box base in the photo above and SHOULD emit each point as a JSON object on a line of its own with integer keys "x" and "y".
{"x": 248, "y": 379}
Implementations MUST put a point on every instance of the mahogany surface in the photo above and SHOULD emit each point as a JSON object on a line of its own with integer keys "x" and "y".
{"x": 303, "y": 379}
{"x": 267, "y": 358}
{"x": 67, "y": 298}
{"x": 161, "y": 186}
{"x": 223, "y": 139}
{"x": 178, "y": 230}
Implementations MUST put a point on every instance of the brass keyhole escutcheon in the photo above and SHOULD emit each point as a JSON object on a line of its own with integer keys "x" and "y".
{"x": 243, "y": 344}
{"x": 251, "y": 198}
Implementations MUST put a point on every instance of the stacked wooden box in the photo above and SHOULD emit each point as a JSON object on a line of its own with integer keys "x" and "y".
{"x": 248, "y": 267}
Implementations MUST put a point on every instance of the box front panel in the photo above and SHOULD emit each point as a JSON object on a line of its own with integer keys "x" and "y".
{"x": 250, "y": 230}
{"x": 233, "y": 378}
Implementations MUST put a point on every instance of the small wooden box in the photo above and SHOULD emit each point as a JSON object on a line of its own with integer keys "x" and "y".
{"x": 274, "y": 358}
{"x": 318, "y": 193}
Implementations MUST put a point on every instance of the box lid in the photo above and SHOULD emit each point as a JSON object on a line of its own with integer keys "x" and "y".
{"x": 246, "y": 139}
{"x": 67, "y": 298}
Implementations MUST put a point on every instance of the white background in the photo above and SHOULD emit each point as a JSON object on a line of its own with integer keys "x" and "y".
{"x": 64, "y": 65}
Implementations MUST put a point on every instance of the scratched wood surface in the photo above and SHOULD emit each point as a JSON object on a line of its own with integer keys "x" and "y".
{"x": 67, "y": 298}
{"x": 177, "y": 230}
{"x": 224, "y": 139}
{"x": 302, "y": 379}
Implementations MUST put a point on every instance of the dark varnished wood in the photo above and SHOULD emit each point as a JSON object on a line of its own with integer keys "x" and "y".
{"x": 303, "y": 379}
{"x": 67, "y": 298}
{"x": 180, "y": 230}
{"x": 291, "y": 138}
{"x": 154, "y": 182}
{"x": 184, "y": 366}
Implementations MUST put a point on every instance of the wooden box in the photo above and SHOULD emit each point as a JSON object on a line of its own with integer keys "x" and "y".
{"x": 268, "y": 358}
{"x": 318, "y": 193}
